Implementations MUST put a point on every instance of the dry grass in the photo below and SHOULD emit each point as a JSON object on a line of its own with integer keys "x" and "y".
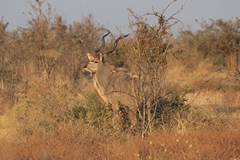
{"x": 80, "y": 142}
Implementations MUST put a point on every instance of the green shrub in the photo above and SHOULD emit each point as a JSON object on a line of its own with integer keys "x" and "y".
{"x": 93, "y": 112}
{"x": 174, "y": 103}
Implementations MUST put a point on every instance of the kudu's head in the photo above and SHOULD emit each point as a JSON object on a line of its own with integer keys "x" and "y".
{"x": 96, "y": 58}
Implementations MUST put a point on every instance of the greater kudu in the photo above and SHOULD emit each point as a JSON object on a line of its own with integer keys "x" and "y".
{"x": 114, "y": 86}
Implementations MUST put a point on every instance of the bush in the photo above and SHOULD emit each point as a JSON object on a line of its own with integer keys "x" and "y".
{"x": 151, "y": 46}
{"x": 93, "y": 112}
{"x": 45, "y": 108}
{"x": 218, "y": 40}
{"x": 48, "y": 45}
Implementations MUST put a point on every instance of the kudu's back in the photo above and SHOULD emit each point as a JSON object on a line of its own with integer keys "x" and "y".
{"x": 120, "y": 87}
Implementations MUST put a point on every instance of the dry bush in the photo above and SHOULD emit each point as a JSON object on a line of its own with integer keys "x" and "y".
{"x": 59, "y": 48}
{"x": 48, "y": 45}
{"x": 46, "y": 106}
{"x": 151, "y": 46}
{"x": 217, "y": 41}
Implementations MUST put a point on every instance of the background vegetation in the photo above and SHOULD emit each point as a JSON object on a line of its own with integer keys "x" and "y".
{"x": 49, "y": 109}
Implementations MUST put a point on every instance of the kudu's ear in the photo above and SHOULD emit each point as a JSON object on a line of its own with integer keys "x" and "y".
{"x": 90, "y": 56}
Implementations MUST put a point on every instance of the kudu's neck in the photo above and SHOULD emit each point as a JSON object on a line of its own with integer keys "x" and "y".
{"x": 103, "y": 74}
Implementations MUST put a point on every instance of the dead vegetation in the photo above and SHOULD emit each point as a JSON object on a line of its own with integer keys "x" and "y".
{"x": 49, "y": 111}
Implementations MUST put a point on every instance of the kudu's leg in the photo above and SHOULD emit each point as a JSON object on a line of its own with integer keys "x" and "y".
{"x": 116, "y": 120}
{"x": 123, "y": 116}
{"x": 132, "y": 113}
